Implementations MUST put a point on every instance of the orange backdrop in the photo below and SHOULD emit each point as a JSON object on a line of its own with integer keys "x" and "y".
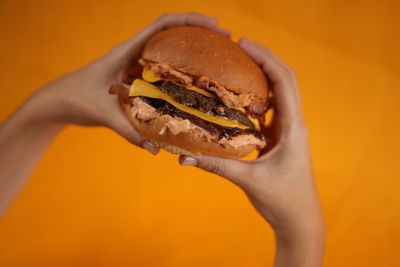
{"x": 95, "y": 200}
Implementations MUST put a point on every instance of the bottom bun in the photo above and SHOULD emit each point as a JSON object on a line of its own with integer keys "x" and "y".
{"x": 185, "y": 142}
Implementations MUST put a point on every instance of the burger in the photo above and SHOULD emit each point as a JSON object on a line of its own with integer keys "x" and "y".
{"x": 196, "y": 93}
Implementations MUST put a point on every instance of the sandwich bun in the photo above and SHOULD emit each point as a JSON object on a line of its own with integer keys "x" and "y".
{"x": 184, "y": 143}
{"x": 201, "y": 52}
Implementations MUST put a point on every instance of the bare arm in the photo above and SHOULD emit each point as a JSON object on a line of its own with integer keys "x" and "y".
{"x": 23, "y": 139}
{"x": 80, "y": 97}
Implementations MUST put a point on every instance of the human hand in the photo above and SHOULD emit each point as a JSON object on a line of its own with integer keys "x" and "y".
{"x": 280, "y": 182}
{"x": 82, "y": 97}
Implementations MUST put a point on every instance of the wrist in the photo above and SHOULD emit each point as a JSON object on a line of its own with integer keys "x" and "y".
{"x": 43, "y": 107}
{"x": 23, "y": 138}
{"x": 301, "y": 244}
{"x": 33, "y": 117}
{"x": 303, "y": 225}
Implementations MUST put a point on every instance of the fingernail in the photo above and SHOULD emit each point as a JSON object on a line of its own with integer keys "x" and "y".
{"x": 245, "y": 39}
{"x": 150, "y": 147}
{"x": 188, "y": 161}
{"x": 242, "y": 40}
{"x": 214, "y": 20}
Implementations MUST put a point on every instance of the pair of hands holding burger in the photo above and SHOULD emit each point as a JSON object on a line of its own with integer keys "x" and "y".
{"x": 198, "y": 94}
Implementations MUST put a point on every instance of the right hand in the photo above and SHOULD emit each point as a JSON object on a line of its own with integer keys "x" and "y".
{"x": 82, "y": 97}
{"x": 280, "y": 183}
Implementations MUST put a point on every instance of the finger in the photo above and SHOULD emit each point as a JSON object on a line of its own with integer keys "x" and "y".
{"x": 129, "y": 133}
{"x": 283, "y": 81}
{"x": 283, "y": 71}
{"x": 117, "y": 121}
{"x": 222, "y": 31}
{"x": 135, "y": 44}
{"x": 234, "y": 170}
{"x": 181, "y": 19}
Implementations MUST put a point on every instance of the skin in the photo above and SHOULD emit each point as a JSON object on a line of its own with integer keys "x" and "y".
{"x": 279, "y": 184}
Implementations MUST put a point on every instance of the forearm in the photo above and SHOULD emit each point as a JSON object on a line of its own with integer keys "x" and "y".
{"x": 300, "y": 247}
{"x": 24, "y": 136}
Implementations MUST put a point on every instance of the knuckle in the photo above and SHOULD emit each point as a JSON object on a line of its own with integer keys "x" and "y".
{"x": 165, "y": 16}
{"x": 215, "y": 167}
{"x": 288, "y": 71}
{"x": 293, "y": 73}
{"x": 284, "y": 74}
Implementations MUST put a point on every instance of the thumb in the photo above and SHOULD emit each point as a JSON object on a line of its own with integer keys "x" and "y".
{"x": 122, "y": 126}
{"x": 234, "y": 170}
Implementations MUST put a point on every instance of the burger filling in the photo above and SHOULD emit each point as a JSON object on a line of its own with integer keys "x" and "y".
{"x": 199, "y": 101}
{"x": 163, "y": 107}
{"x": 149, "y": 109}
{"x": 159, "y": 71}
{"x": 190, "y": 108}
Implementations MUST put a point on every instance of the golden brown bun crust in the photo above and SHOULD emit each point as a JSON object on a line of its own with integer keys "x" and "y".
{"x": 202, "y": 52}
{"x": 181, "y": 143}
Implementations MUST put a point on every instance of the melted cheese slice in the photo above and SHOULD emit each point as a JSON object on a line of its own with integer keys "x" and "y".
{"x": 143, "y": 88}
{"x": 151, "y": 77}
{"x": 255, "y": 122}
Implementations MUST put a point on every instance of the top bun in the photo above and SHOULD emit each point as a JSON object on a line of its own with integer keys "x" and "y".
{"x": 201, "y": 52}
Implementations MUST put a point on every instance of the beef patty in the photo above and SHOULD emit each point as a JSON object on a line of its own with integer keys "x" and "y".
{"x": 201, "y": 102}
{"x": 223, "y": 132}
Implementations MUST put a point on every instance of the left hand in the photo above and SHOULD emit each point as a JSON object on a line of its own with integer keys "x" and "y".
{"x": 82, "y": 97}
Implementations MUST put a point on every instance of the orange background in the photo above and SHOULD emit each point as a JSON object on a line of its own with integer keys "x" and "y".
{"x": 95, "y": 200}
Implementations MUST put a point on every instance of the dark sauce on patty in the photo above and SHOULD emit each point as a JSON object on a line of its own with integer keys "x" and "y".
{"x": 201, "y": 102}
{"x": 223, "y": 132}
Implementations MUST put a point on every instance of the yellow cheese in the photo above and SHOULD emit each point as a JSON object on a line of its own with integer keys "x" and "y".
{"x": 255, "y": 122}
{"x": 151, "y": 77}
{"x": 198, "y": 90}
{"x": 241, "y": 110}
{"x": 143, "y": 88}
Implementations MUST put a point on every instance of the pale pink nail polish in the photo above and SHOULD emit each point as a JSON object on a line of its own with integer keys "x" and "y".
{"x": 150, "y": 147}
{"x": 188, "y": 161}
